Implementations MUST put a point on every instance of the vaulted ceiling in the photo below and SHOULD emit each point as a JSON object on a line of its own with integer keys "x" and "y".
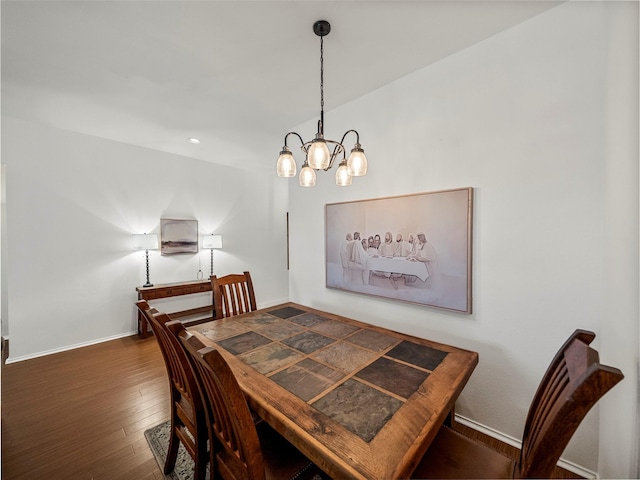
{"x": 235, "y": 74}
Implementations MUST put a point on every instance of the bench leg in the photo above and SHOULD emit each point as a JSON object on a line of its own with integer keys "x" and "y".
{"x": 142, "y": 325}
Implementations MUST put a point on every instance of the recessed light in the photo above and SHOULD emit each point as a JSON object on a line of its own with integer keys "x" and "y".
{"x": 194, "y": 140}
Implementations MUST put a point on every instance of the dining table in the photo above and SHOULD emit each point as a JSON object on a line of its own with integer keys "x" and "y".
{"x": 359, "y": 400}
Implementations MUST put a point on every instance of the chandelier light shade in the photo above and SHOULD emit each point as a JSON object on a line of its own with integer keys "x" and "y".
{"x": 321, "y": 153}
{"x": 357, "y": 163}
{"x": 307, "y": 176}
{"x": 343, "y": 177}
{"x": 286, "y": 166}
{"x": 318, "y": 154}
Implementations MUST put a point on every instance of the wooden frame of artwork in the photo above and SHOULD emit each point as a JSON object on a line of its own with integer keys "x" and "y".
{"x": 417, "y": 248}
{"x": 178, "y": 236}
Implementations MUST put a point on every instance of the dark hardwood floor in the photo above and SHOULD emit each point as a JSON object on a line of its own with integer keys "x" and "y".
{"x": 82, "y": 414}
{"x": 506, "y": 449}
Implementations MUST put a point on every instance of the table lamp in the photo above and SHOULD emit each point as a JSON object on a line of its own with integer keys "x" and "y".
{"x": 211, "y": 242}
{"x": 145, "y": 242}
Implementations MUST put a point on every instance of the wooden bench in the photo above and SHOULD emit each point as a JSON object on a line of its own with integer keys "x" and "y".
{"x": 190, "y": 316}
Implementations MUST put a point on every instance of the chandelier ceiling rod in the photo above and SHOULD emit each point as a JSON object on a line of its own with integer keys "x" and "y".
{"x": 317, "y": 155}
{"x": 319, "y": 30}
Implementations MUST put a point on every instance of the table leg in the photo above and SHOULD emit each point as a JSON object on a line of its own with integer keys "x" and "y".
{"x": 450, "y": 419}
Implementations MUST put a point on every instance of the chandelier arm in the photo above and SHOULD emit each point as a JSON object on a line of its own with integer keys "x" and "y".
{"x": 347, "y": 133}
{"x": 292, "y": 133}
{"x": 336, "y": 151}
{"x": 321, "y": 126}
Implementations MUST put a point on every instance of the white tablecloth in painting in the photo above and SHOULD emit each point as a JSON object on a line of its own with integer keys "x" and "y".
{"x": 396, "y": 265}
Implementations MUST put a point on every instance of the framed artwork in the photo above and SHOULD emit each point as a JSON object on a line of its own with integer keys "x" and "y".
{"x": 414, "y": 248}
{"x": 178, "y": 236}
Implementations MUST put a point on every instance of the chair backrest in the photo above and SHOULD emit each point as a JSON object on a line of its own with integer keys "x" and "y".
{"x": 176, "y": 361}
{"x": 235, "y": 440}
{"x": 232, "y": 295}
{"x": 145, "y": 308}
{"x": 573, "y": 383}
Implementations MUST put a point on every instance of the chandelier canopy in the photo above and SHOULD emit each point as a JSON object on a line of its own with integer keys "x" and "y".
{"x": 320, "y": 153}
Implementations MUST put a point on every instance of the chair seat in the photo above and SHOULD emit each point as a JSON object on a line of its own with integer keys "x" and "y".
{"x": 453, "y": 455}
{"x": 281, "y": 459}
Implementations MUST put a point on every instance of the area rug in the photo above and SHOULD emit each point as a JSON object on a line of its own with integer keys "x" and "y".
{"x": 158, "y": 438}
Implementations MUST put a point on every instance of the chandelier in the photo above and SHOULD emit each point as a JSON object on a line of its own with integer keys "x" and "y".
{"x": 321, "y": 153}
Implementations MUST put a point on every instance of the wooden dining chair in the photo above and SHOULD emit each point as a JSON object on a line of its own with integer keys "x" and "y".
{"x": 188, "y": 418}
{"x": 241, "y": 450}
{"x": 573, "y": 383}
{"x": 232, "y": 295}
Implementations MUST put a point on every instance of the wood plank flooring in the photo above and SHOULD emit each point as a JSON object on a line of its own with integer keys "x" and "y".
{"x": 506, "y": 449}
{"x": 82, "y": 414}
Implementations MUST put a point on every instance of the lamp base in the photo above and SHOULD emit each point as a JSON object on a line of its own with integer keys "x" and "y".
{"x": 148, "y": 284}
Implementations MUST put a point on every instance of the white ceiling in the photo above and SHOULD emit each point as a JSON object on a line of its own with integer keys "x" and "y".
{"x": 235, "y": 74}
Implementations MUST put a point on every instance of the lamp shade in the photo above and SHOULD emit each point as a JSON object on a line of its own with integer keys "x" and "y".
{"x": 212, "y": 241}
{"x": 145, "y": 241}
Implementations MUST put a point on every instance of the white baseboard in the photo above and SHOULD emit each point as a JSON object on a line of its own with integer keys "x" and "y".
{"x": 273, "y": 303}
{"x": 570, "y": 466}
{"x": 114, "y": 337}
{"x": 70, "y": 347}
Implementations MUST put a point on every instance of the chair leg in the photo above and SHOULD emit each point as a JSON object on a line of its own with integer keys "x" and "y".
{"x": 172, "y": 452}
{"x": 212, "y": 461}
{"x": 202, "y": 456}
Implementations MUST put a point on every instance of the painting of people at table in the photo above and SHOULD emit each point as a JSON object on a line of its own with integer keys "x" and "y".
{"x": 414, "y": 248}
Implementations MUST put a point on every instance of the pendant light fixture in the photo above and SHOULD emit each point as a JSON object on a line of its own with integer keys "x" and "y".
{"x": 320, "y": 153}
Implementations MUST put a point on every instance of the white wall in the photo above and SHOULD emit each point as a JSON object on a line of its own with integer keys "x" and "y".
{"x": 528, "y": 120}
{"x": 619, "y": 334}
{"x": 4, "y": 323}
{"x": 73, "y": 202}
{"x": 541, "y": 120}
